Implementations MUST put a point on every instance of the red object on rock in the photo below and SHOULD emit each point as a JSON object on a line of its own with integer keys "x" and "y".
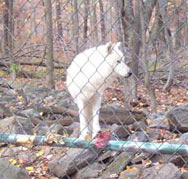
{"x": 102, "y": 139}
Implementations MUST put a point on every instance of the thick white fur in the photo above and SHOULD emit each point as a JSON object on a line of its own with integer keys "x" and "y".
{"x": 89, "y": 74}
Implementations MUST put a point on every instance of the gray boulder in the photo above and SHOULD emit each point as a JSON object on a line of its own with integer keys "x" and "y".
{"x": 73, "y": 160}
{"x": 120, "y": 131}
{"x": 167, "y": 171}
{"x": 118, "y": 165}
{"x": 138, "y": 137}
{"x": 8, "y": 171}
{"x": 42, "y": 128}
{"x": 91, "y": 171}
{"x": 178, "y": 118}
{"x": 17, "y": 125}
{"x": 158, "y": 121}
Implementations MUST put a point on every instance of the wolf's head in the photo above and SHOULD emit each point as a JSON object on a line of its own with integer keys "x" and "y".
{"x": 116, "y": 59}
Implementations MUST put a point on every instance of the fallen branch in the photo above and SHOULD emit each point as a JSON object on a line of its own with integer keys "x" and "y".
{"x": 65, "y": 121}
{"x": 41, "y": 64}
{"x": 58, "y": 110}
{"x": 6, "y": 65}
{"x": 107, "y": 114}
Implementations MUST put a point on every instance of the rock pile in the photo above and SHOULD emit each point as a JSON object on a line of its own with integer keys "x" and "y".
{"x": 40, "y": 111}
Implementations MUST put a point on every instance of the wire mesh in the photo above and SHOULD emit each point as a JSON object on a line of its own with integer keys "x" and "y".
{"x": 66, "y": 64}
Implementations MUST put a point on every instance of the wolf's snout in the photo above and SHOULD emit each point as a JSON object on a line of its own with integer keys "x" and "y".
{"x": 129, "y": 74}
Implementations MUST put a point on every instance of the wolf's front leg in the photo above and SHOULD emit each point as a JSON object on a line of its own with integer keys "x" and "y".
{"x": 96, "y": 125}
{"x": 96, "y": 107}
{"x": 83, "y": 127}
{"x": 83, "y": 119}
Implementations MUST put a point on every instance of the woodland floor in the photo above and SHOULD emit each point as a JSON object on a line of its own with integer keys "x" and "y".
{"x": 177, "y": 95}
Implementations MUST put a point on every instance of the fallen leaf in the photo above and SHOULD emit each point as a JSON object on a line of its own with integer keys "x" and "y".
{"x": 146, "y": 162}
{"x": 45, "y": 165}
{"x": 114, "y": 175}
{"x": 12, "y": 161}
{"x": 166, "y": 122}
{"x": 130, "y": 169}
{"x": 149, "y": 122}
{"x": 20, "y": 102}
{"x": 141, "y": 104}
{"x": 11, "y": 146}
{"x": 52, "y": 137}
{"x": 30, "y": 168}
{"x": 23, "y": 161}
{"x": 162, "y": 132}
{"x": 88, "y": 138}
{"x": 183, "y": 170}
{"x": 49, "y": 157}
{"x": 39, "y": 153}
{"x": 20, "y": 98}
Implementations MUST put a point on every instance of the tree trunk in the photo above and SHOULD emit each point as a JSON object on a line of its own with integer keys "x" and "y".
{"x": 171, "y": 52}
{"x": 85, "y": 30}
{"x": 185, "y": 26}
{"x": 94, "y": 23}
{"x": 127, "y": 18}
{"x": 149, "y": 6}
{"x": 58, "y": 20}
{"x": 8, "y": 26}
{"x": 110, "y": 17}
{"x": 11, "y": 26}
{"x": 5, "y": 26}
{"x": 145, "y": 58}
{"x": 178, "y": 35}
{"x": 32, "y": 2}
{"x": 155, "y": 29}
{"x": 118, "y": 27}
{"x": 181, "y": 37}
{"x": 49, "y": 45}
{"x": 131, "y": 30}
{"x": 131, "y": 26}
{"x": 102, "y": 20}
{"x": 75, "y": 29}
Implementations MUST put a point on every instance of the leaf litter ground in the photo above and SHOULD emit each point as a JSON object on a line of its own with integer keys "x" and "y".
{"x": 176, "y": 96}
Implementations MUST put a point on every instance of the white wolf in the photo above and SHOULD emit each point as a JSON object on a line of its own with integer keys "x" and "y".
{"x": 89, "y": 74}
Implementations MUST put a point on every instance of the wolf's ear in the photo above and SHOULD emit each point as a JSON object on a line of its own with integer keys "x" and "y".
{"x": 109, "y": 47}
{"x": 118, "y": 45}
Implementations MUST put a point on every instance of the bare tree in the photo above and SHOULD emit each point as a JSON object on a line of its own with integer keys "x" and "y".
{"x": 131, "y": 27}
{"x": 75, "y": 29}
{"x": 103, "y": 27}
{"x": 110, "y": 18}
{"x": 33, "y": 28}
{"x": 49, "y": 45}
{"x": 171, "y": 52}
{"x": 127, "y": 16}
{"x": 157, "y": 35}
{"x": 178, "y": 36}
{"x": 145, "y": 57}
{"x": 94, "y": 24}
{"x": 118, "y": 27}
{"x": 180, "y": 23}
{"x": 8, "y": 26}
{"x": 5, "y": 25}
{"x": 58, "y": 20}
{"x": 131, "y": 30}
{"x": 185, "y": 26}
{"x": 85, "y": 30}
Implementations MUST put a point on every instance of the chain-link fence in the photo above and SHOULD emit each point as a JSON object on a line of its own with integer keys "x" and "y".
{"x": 93, "y": 89}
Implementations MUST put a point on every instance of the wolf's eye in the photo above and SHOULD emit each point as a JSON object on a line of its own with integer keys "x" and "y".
{"x": 119, "y": 61}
